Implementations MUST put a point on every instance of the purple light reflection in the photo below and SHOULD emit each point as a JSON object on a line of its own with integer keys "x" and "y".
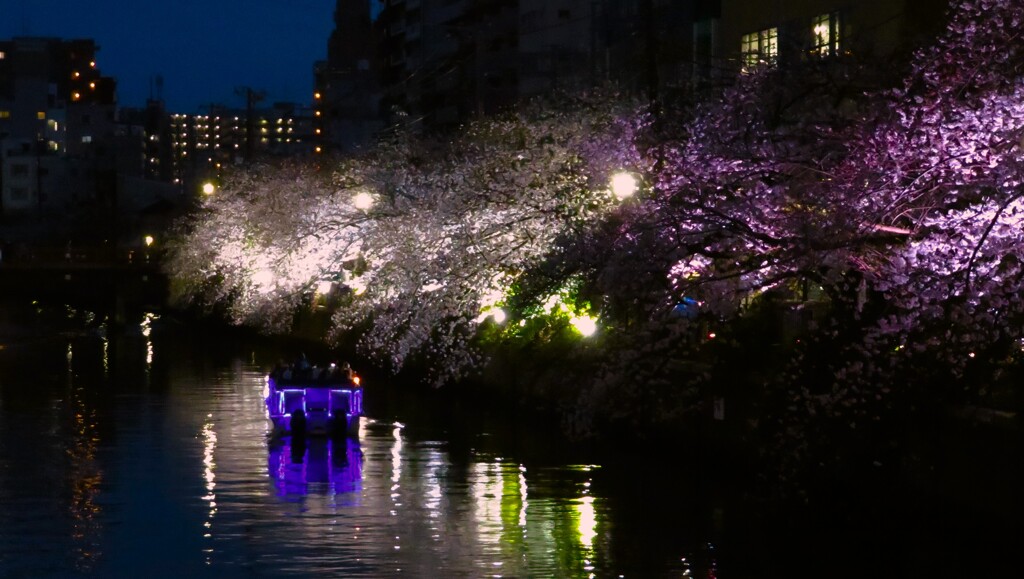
{"x": 301, "y": 466}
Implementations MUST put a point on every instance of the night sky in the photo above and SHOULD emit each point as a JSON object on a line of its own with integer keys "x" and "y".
{"x": 203, "y": 49}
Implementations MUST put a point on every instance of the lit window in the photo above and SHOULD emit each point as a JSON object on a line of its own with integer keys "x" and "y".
{"x": 3, "y": 55}
{"x": 825, "y": 29}
{"x": 5, "y": 114}
{"x": 86, "y": 138}
{"x": 41, "y": 115}
{"x": 761, "y": 47}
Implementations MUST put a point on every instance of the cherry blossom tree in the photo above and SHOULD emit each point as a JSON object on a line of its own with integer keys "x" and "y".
{"x": 421, "y": 238}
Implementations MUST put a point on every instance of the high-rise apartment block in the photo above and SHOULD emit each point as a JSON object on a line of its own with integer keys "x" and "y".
{"x": 56, "y": 111}
{"x": 444, "y": 61}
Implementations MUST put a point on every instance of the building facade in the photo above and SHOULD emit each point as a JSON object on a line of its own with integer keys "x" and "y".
{"x": 445, "y": 61}
{"x": 57, "y": 123}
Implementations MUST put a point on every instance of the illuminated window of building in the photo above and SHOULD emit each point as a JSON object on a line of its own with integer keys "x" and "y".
{"x": 825, "y": 30}
{"x": 761, "y": 47}
{"x": 41, "y": 115}
{"x": 3, "y": 55}
{"x": 5, "y": 114}
{"x": 86, "y": 138}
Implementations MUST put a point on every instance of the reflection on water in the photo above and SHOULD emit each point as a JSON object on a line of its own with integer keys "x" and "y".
{"x": 145, "y": 453}
{"x": 318, "y": 465}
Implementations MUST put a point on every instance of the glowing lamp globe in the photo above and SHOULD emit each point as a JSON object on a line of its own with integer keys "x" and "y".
{"x": 585, "y": 325}
{"x": 623, "y": 185}
{"x": 363, "y": 201}
{"x": 208, "y": 188}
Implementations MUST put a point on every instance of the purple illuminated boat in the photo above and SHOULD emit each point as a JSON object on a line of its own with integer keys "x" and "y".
{"x": 311, "y": 400}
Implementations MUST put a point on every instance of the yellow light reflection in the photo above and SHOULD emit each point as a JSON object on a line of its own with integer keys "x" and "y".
{"x": 86, "y": 481}
{"x": 396, "y": 475}
{"x": 146, "y": 327}
{"x": 587, "y": 521}
{"x": 209, "y": 437}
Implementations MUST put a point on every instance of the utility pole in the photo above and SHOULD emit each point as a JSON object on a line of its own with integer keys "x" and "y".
{"x": 251, "y": 98}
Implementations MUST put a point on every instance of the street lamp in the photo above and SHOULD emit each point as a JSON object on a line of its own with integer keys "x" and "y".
{"x": 148, "y": 240}
{"x": 363, "y": 201}
{"x": 623, "y": 185}
{"x": 208, "y": 188}
{"x": 585, "y": 325}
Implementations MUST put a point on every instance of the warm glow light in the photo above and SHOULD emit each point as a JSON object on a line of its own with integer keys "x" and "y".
{"x": 623, "y": 185}
{"x": 363, "y": 201}
{"x": 585, "y": 325}
{"x": 148, "y": 239}
{"x": 263, "y": 278}
{"x": 496, "y": 314}
{"x": 208, "y": 188}
{"x": 587, "y": 523}
{"x": 316, "y": 95}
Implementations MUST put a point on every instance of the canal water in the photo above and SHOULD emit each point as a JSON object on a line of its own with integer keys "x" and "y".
{"x": 145, "y": 453}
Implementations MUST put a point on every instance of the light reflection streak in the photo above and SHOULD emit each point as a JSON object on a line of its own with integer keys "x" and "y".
{"x": 86, "y": 479}
{"x": 587, "y": 521}
{"x": 433, "y": 492}
{"x": 209, "y": 436}
{"x": 396, "y": 475}
{"x": 522, "y": 498}
{"x": 146, "y": 327}
{"x": 106, "y": 354}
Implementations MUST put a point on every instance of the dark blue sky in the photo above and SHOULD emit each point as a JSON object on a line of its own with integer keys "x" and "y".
{"x": 202, "y": 48}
